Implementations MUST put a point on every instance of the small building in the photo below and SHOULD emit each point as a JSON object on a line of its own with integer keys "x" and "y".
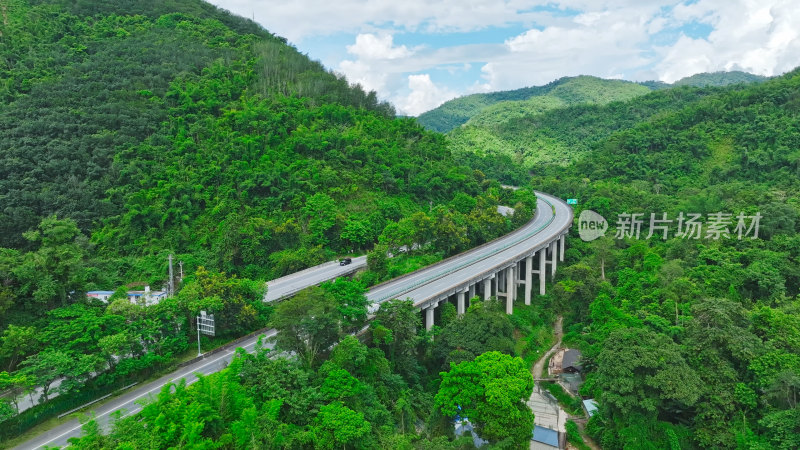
{"x": 103, "y": 296}
{"x": 144, "y": 298}
{"x": 545, "y": 439}
{"x": 590, "y": 406}
{"x": 565, "y": 361}
{"x": 570, "y": 363}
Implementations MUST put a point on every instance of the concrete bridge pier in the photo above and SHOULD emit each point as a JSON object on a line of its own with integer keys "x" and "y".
{"x": 528, "y": 278}
{"x": 542, "y": 269}
{"x": 460, "y": 303}
{"x": 510, "y": 284}
{"x": 429, "y": 316}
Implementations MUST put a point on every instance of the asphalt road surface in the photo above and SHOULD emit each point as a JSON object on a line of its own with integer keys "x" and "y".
{"x": 129, "y": 403}
{"x": 435, "y": 280}
{"x": 293, "y": 283}
{"x": 552, "y": 218}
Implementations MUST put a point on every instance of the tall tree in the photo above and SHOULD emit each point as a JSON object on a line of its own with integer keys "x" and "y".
{"x": 396, "y": 330}
{"x": 308, "y": 324}
{"x": 491, "y": 391}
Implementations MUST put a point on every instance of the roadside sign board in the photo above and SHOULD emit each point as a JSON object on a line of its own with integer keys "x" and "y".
{"x": 572, "y": 201}
{"x": 205, "y": 323}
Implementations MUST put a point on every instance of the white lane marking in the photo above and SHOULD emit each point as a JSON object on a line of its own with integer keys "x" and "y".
{"x": 188, "y": 372}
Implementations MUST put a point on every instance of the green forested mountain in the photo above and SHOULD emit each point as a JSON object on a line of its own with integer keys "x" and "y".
{"x": 718, "y": 79}
{"x": 560, "y": 121}
{"x": 561, "y": 135}
{"x": 131, "y": 130}
{"x": 708, "y": 79}
{"x": 497, "y": 107}
{"x": 691, "y": 342}
{"x": 135, "y": 129}
{"x": 494, "y": 107}
{"x": 195, "y": 131}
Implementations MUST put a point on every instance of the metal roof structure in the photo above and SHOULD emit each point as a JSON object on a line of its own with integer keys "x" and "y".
{"x": 545, "y": 436}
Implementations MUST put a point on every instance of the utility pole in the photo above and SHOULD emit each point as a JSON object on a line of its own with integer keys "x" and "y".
{"x": 171, "y": 279}
{"x": 199, "y": 352}
{"x": 180, "y": 264}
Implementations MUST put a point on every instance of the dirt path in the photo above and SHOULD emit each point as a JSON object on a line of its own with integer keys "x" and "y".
{"x": 538, "y": 367}
{"x": 546, "y": 413}
{"x": 537, "y": 403}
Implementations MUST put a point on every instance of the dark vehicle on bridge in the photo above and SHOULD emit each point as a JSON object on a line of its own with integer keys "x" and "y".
{"x": 345, "y": 261}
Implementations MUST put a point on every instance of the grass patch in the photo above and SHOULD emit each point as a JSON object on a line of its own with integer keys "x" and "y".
{"x": 574, "y": 436}
{"x": 399, "y": 265}
{"x": 572, "y": 405}
{"x": 533, "y": 332}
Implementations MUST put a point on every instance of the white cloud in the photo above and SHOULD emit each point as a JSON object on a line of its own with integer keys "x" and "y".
{"x": 606, "y": 38}
{"x": 761, "y": 37}
{"x": 372, "y": 52}
{"x": 371, "y": 46}
{"x": 359, "y": 72}
{"x": 424, "y": 96}
{"x": 596, "y": 43}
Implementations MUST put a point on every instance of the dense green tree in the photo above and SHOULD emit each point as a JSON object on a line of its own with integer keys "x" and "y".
{"x": 338, "y": 426}
{"x": 237, "y": 304}
{"x": 51, "y": 365}
{"x": 14, "y": 386}
{"x": 396, "y": 329}
{"x": 641, "y": 374}
{"x": 491, "y": 391}
{"x": 55, "y": 271}
{"x": 484, "y": 327}
{"x": 308, "y": 324}
{"x": 17, "y": 342}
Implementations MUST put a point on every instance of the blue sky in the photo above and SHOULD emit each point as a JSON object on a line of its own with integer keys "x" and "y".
{"x": 418, "y": 54}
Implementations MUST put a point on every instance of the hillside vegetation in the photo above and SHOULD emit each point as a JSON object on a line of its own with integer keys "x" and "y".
{"x": 132, "y": 130}
{"x": 501, "y": 106}
{"x": 562, "y": 135}
{"x": 560, "y": 121}
{"x": 691, "y": 342}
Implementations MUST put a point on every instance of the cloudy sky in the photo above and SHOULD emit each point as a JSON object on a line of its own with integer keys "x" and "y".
{"x": 420, "y": 53}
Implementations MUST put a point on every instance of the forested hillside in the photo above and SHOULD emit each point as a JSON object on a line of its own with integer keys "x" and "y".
{"x": 194, "y": 132}
{"x": 691, "y": 342}
{"x": 559, "y": 93}
{"x": 560, "y": 135}
{"x": 494, "y": 107}
{"x": 132, "y": 130}
{"x": 706, "y": 79}
{"x": 560, "y": 121}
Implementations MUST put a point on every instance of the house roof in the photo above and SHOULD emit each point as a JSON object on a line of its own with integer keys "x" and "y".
{"x": 571, "y": 359}
{"x": 591, "y": 406}
{"x": 545, "y": 436}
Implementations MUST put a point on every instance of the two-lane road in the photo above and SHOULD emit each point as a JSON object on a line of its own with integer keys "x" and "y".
{"x": 130, "y": 402}
{"x": 553, "y": 218}
{"x": 293, "y": 283}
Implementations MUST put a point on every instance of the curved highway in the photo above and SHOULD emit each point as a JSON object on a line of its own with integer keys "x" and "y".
{"x": 424, "y": 287}
{"x": 553, "y": 219}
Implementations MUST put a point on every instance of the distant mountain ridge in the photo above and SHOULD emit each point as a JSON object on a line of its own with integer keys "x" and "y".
{"x": 593, "y": 90}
